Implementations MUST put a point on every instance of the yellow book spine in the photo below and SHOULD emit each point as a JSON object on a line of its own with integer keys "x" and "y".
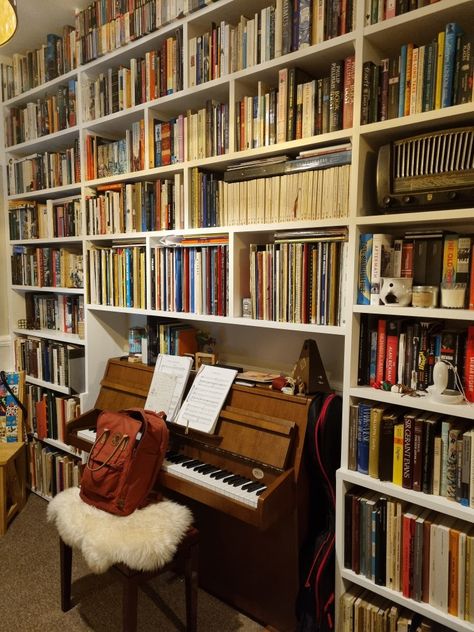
{"x": 397, "y": 454}
{"x": 439, "y": 70}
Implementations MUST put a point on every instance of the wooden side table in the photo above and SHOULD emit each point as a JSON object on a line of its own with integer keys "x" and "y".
{"x": 12, "y": 482}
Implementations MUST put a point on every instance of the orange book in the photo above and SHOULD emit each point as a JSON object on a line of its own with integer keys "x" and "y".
{"x": 41, "y": 419}
{"x": 453, "y": 595}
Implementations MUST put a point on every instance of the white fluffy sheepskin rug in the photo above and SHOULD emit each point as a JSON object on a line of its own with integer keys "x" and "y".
{"x": 145, "y": 540}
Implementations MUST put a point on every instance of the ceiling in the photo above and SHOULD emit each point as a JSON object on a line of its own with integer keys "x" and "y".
{"x": 37, "y": 18}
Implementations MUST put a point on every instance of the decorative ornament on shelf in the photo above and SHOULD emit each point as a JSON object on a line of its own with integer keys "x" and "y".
{"x": 8, "y": 20}
{"x": 439, "y": 391}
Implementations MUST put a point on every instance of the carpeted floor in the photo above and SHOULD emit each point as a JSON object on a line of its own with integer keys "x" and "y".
{"x": 29, "y": 583}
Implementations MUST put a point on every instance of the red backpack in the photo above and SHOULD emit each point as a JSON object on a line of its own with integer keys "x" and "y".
{"x": 125, "y": 460}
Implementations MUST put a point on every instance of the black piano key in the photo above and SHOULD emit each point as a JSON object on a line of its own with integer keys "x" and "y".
{"x": 221, "y": 474}
{"x": 180, "y": 458}
{"x": 205, "y": 468}
{"x": 260, "y": 491}
{"x": 192, "y": 463}
{"x": 230, "y": 479}
{"x": 241, "y": 481}
{"x": 251, "y": 487}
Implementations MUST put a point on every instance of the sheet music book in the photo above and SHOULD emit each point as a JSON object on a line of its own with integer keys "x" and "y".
{"x": 168, "y": 383}
{"x": 206, "y": 397}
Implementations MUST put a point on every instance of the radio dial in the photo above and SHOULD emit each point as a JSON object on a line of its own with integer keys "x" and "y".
{"x": 387, "y": 200}
{"x": 408, "y": 199}
{"x": 452, "y": 195}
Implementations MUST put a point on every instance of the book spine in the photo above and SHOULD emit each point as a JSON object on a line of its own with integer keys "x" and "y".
{"x": 408, "y": 443}
{"x": 397, "y": 475}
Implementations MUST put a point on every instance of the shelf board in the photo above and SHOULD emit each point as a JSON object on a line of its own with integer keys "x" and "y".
{"x": 59, "y": 140}
{"x": 65, "y": 390}
{"x": 51, "y": 335}
{"x": 43, "y": 194}
{"x": 435, "y": 218}
{"x": 55, "y": 443}
{"x": 436, "y": 503}
{"x": 465, "y": 411}
{"x": 415, "y": 312}
{"x": 40, "y": 91}
{"x": 46, "y": 240}
{"x": 54, "y": 290}
{"x": 453, "y": 623}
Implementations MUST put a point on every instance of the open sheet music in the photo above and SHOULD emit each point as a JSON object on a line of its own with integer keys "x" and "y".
{"x": 168, "y": 384}
{"x": 202, "y": 406}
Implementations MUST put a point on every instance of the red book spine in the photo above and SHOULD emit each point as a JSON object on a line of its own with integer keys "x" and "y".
{"x": 391, "y": 359}
{"x": 469, "y": 365}
{"x": 408, "y": 525}
{"x": 407, "y": 259}
{"x": 381, "y": 343}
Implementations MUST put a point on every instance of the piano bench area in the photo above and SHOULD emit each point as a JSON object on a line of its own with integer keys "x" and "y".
{"x": 157, "y": 538}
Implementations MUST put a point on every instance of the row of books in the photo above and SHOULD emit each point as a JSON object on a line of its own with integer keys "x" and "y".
{"x": 425, "y": 556}
{"x": 422, "y": 78}
{"x": 47, "y": 267}
{"x": 35, "y": 67}
{"x": 156, "y": 74}
{"x": 47, "y": 115}
{"x": 55, "y": 362}
{"x": 362, "y": 610}
{"x": 10, "y": 431}
{"x": 55, "y": 312}
{"x": 299, "y": 279}
{"x": 429, "y": 257}
{"x": 376, "y": 11}
{"x": 44, "y": 170}
{"x": 48, "y": 412}
{"x": 30, "y": 219}
{"x": 136, "y": 207}
{"x": 192, "y": 136}
{"x": 305, "y": 195}
{"x": 106, "y": 26}
{"x": 414, "y": 449}
{"x": 117, "y": 275}
{"x": 301, "y": 107}
{"x": 192, "y": 278}
{"x": 163, "y": 336}
{"x": 52, "y": 471}
{"x": 269, "y": 33}
{"x": 106, "y": 157}
{"x": 401, "y": 351}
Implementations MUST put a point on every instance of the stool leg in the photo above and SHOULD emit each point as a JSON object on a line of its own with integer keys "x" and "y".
{"x": 129, "y": 604}
{"x": 65, "y": 557}
{"x": 191, "y": 587}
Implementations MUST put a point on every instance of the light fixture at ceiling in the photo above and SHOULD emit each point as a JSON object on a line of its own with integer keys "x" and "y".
{"x": 8, "y": 20}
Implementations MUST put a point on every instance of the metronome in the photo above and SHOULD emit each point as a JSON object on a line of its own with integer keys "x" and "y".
{"x": 309, "y": 370}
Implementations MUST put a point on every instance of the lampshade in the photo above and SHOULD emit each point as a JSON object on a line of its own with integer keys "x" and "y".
{"x": 8, "y": 20}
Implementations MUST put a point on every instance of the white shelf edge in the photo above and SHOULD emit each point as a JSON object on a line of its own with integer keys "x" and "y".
{"x": 24, "y": 97}
{"x": 42, "y": 240}
{"x": 65, "y": 390}
{"x": 464, "y": 411}
{"x": 44, "y": 193}
{"x": 56, "y": 443}
{"x": 436, "y": 503}
{"x": 453, "y": 623}
{"x": 415, "y": 312}
{"x": 50, "y": 335}
{"x": 54, "y": 290}
{"x": 35, "y": 143}
{"x": 419, "y": 216}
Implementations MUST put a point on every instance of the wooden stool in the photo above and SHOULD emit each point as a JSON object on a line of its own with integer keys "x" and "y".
{"x": 186, "y": 557}
{"x": 12, "y": 482}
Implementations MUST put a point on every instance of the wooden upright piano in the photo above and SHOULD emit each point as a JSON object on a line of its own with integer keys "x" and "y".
{"x": 249, "y": 545}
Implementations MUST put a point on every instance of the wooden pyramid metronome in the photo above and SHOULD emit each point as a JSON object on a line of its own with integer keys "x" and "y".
{"x": 309, "y": 370}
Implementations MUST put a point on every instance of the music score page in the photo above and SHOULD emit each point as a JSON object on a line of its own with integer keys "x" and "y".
{"x": 207, "y": 395}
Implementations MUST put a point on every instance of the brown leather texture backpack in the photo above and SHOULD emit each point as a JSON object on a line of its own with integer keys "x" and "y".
{"x": 125, "y": 460}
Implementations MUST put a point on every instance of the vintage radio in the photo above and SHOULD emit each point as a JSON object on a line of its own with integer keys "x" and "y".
{"x": 434, "y": 169}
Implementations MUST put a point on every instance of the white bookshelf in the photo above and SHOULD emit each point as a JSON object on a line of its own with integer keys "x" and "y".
{"x": 256, "y": 343}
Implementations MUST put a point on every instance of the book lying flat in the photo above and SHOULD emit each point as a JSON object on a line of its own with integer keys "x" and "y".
{"x": 201, "y": 408}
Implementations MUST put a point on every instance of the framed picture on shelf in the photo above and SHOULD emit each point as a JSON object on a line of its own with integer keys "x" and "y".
{"x": 204, "y": 358}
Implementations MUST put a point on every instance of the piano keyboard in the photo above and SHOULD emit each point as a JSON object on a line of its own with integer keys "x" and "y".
{"x": 214, "y": 478}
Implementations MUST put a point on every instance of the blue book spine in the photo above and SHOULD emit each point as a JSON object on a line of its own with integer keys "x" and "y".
{"x": 447, "y": 88}
{"x": 403, "y": 76}
{"x": 373, "y": 357}
{"x": 178, "y": 281}
{"x": 363, "y": 433}
{"x": 128, "y": 279}
{"x": 365, "y": 268}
